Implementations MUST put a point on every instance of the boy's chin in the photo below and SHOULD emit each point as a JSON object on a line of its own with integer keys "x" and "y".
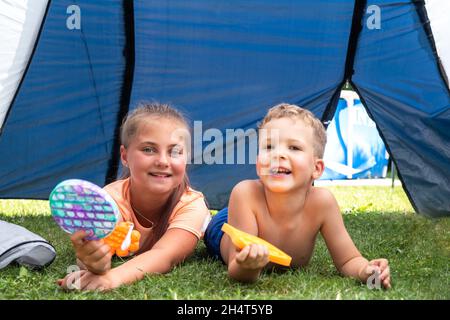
{"x": 278, "y": 187}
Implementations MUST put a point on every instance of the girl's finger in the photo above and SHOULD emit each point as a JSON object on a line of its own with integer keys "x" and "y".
{"x": 100, "y": 253}
{"x": 91, "y": 247}
{"x": 78, "y": 238}
{"x": 85, "y": 280}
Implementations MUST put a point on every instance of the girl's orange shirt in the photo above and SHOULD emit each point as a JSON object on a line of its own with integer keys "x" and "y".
{"x": 190, "y": 213}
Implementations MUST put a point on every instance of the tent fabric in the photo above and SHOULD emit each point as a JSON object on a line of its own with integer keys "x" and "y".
{"x": 409, "y": 101}
{"x": 63, "y": 119}
{"x": 224, "y": 63}
{"x": 20, "y": 22}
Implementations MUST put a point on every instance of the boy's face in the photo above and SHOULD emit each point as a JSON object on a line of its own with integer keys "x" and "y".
{"x": 286, "y": 159}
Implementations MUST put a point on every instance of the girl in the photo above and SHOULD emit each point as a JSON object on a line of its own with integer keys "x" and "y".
{"x": 155, "y": 195}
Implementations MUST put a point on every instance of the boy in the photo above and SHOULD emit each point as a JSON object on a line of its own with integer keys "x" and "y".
{"x": 284, "y": 208}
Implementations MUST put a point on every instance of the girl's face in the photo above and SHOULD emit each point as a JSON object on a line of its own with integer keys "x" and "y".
{"x": 286, "y": 159}
{"x": 157, "y": 155}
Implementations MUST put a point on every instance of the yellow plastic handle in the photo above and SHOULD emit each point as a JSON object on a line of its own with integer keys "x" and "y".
{"x": 241, "y": 239}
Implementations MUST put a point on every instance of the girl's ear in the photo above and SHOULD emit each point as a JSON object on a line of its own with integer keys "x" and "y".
{"x": 319, "y": 167}
{"x": 123, "y": 156}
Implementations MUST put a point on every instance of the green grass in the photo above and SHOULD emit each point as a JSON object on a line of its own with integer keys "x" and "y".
{"x": 379, "y": 219}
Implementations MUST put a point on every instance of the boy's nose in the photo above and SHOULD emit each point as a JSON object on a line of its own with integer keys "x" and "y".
{"x": 279, "y": 154}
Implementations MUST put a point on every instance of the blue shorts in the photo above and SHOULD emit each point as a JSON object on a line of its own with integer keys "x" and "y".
{"x": 213, "y": 234}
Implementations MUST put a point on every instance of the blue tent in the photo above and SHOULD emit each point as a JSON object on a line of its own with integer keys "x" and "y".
{"x": 75, "y": 68}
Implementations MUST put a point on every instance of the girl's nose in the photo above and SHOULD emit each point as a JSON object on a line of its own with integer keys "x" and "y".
{"x": 162, "y": 160}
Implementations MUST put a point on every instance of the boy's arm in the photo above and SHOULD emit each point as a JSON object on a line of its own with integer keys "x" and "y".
{"x": 247, "y": 264}
{"x": 346, "y": 257}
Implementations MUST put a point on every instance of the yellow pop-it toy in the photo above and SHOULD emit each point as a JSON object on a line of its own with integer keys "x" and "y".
{"x": 241, "y": 239}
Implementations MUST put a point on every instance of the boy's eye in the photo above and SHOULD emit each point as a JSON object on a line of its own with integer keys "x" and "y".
{"x": 295, "y": 148}
{"x": 268, "y": 147}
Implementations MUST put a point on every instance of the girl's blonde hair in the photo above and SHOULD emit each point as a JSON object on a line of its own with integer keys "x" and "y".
{"x": 128, "y": 130}
{"x": 291, "y": 111}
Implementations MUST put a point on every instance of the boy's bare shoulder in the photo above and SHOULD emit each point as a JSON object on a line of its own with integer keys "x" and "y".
{"x": 247, "y": 188}
{"x": 323, "y": 200}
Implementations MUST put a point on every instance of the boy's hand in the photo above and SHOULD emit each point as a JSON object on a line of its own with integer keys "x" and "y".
{"x": 95, "y": 254}
{"x": 382, "y": 267}
{"x": 254, "y": 256}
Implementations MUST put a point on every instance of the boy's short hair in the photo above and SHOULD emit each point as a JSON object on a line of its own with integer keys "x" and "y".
{"x": 291, "y": 111}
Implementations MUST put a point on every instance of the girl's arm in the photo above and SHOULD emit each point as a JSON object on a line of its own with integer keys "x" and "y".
{"x": 173, "y": 247}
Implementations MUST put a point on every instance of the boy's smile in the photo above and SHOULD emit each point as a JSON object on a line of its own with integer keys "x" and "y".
{"x": 279, "y": 172}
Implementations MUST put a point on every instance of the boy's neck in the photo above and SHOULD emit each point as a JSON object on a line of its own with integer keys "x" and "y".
{"x": 287, "y": 205}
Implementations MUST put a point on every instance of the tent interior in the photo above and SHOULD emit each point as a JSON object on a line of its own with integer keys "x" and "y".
{"x": 70, "y": 72}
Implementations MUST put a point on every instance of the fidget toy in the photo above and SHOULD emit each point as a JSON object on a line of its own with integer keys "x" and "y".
{"x": 123, "y": 240}
{"x": 81, "y": 205}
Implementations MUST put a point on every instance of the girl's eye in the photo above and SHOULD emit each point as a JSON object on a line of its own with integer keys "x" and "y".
{"x": 268, "y": 147}
{"x": 176, "y": 151}
{"x": 149, "y": 150}
{"x": 295, "y": 148}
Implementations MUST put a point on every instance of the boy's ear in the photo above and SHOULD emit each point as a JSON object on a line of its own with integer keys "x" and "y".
{"x": 123, "y": 156}
{"x": 319, "y": 167}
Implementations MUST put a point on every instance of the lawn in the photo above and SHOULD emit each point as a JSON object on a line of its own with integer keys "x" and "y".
{"x": 380, "y": 220}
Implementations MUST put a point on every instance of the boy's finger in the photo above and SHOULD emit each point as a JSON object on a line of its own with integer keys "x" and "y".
{"x": 242, "y": 255}
{"x": 253, "y": 251}
{"x": 385, "y": 273}
{"x": 262, "y": 251}
{"x": 387, "y": 282}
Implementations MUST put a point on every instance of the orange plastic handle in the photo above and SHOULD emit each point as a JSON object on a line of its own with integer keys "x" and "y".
{"x": 116, "y": 238}
{"x": 241, "y": 239}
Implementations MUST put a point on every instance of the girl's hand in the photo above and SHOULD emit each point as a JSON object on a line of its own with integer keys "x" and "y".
{"x": 86, "y": 280}
{"x": 381, "y": 266}
{"x": 254, "y": 256}
{"x": 95, "y": 255}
